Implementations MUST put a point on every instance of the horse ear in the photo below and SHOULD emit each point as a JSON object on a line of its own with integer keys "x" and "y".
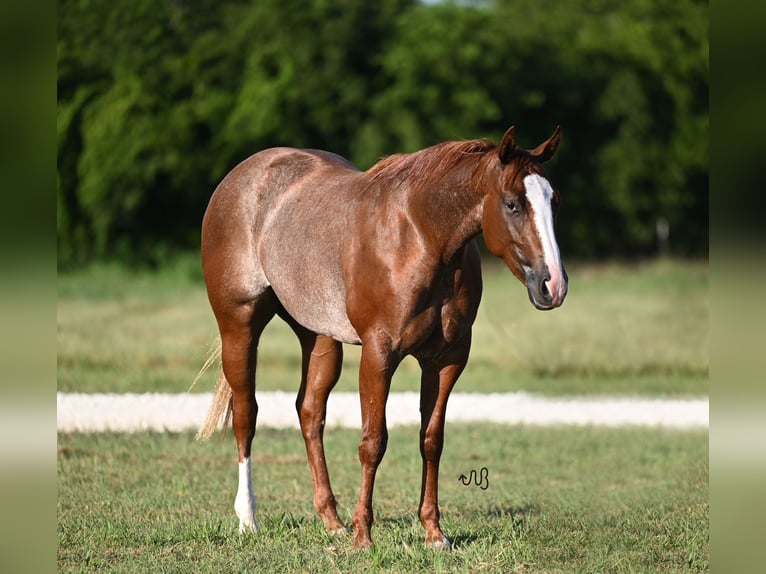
{"x": 507, "y": 146}
{"x": 545, "y": 150}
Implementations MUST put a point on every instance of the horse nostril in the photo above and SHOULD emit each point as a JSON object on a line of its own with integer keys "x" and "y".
{"x": 544, "y": 287}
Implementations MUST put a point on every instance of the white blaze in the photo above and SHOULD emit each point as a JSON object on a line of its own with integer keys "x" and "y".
{"x": 539, "y": 194}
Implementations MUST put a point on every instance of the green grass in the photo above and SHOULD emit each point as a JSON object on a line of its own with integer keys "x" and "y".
{"x": 559, "y": 500}
{"x": 624, "y": 329}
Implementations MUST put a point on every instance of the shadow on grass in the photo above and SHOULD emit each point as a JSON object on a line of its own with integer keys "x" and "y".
{"x": 514, "y": 518}
{"x": 518, "y": 514}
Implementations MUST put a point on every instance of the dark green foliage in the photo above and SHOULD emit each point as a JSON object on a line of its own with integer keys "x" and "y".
{"x": 158, "y": 99}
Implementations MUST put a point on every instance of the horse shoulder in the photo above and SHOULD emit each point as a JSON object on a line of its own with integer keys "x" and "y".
{"x": 418, "y": 301}
{"x": 464, "y": 288}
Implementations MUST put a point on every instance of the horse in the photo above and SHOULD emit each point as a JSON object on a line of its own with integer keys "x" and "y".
{"x": 384, "y": 258}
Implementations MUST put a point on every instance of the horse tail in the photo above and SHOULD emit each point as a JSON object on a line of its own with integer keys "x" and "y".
{"x": 221, "y": 405}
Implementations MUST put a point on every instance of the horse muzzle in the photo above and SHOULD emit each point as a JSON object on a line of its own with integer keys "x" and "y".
{"x": 546, "y": 290}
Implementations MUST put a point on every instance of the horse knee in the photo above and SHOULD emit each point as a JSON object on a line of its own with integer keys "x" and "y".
{"x": 311, "y": 432}
{"x": 372, "y": 447}
{"x": 431, "y": 447}
{"x": 311, "y": 424}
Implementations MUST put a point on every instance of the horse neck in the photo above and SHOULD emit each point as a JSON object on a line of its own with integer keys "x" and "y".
{"x": 450, "y": 207}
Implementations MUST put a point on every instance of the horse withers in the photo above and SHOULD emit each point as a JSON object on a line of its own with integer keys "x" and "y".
{"x": 383, "y": 258}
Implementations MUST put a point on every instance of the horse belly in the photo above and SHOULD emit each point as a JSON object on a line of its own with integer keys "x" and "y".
{"x": 300, "y": 238}
{"x": 315, "y": 296}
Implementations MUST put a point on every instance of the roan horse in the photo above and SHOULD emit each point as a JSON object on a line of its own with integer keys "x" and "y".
{"x": 385, "y": 259}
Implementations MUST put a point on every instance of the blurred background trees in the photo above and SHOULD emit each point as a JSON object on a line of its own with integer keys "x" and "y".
{"x": 158, "y": 99}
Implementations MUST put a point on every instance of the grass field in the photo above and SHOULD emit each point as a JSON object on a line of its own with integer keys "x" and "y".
{"x": 559, "y": 500}
{"x": 624, "y": 329}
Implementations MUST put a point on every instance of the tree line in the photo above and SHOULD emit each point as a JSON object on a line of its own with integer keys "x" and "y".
{"x": 158, "y": 99}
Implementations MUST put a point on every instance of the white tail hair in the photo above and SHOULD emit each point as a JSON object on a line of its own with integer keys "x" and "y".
{"x": 221, "y": 406}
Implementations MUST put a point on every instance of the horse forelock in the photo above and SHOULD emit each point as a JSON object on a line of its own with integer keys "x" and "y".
{"x": 426, "y": 165}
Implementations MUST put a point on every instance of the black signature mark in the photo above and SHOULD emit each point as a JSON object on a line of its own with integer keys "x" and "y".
{"x": 480, "y": 479}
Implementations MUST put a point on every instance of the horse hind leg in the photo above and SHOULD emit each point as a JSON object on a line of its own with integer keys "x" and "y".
{"x": 322, "y": 362}
{"x": 241, "y": 326}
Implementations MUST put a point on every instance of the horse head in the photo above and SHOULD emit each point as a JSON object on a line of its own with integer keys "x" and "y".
{"x": 519, "y": 213}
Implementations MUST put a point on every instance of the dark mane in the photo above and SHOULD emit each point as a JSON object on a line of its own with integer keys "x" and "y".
{"x": 427, "y": 164}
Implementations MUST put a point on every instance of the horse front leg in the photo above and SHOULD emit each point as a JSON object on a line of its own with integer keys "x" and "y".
{"x": 439, "y": 377}
{"x": 375, "y": 373}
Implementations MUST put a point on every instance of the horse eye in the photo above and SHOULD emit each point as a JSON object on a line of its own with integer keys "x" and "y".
{"x": 512, "y": 206}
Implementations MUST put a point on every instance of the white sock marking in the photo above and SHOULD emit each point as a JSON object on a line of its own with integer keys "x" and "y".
{"x": 244, "y": 503}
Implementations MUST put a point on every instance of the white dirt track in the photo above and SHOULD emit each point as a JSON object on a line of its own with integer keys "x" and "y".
{"x": 178, "y": 412}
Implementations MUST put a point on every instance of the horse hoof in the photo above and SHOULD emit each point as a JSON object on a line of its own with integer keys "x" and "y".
{"x": 340, "y": 531}
{"x": 244, "y": 508}
{"x": 443, "y": 544}
{"x": 361, "y": 544}
{"x": 247, "y": 527}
